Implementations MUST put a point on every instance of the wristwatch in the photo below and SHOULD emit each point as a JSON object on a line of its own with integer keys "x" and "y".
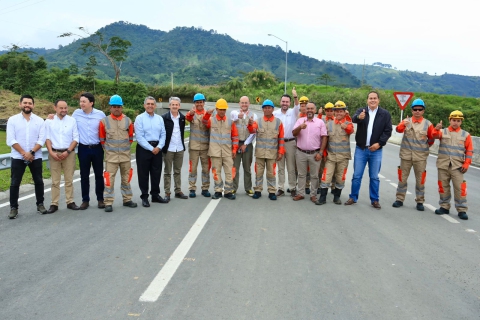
{"x": 32, "y": 152}
{"x": 68, "y": 151}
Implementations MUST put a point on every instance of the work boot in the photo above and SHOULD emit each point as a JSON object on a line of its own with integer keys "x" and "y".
{"x": 13, "y": 213}
{"x": 336, "y": 196}
{"x": 130, "y": 204}
{"x": 230, "y": 196}
{"x": 257, "y": 195}
{"x": 442, "y": 211}
{"x": 397, "y": 204}
{"x": 108, "y": 208}
{"x": 420, "y": 207}
{"x": 192, "y": 194}
{"x": 41, "y": 208}
{"x": 463, "y": 215}
{"x": 323, "y": 197}
{"x": 272, "y": 196}
{"x": 205, "y": 193}
{"x": 249, "y": 192}
{"x": 217, "y": 195}
{"x": 307, "y": 190}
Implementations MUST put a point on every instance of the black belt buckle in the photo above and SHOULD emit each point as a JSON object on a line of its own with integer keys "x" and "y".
{"x": 153, "y": 143}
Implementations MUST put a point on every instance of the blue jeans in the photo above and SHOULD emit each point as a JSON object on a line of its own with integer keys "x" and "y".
{"x": 360, "y": 160}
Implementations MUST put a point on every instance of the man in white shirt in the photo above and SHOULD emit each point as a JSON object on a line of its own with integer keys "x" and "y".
{"x": 288, "y": 117}
{"x": 174, "y": 148}
{"x": 62, "y": 138}
{"x": 245, "y": 145}
{"x": 26, "y": 136}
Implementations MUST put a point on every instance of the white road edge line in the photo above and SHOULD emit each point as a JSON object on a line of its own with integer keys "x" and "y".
{"x": 445, "y": 216}
{"x": 163, "y": 277}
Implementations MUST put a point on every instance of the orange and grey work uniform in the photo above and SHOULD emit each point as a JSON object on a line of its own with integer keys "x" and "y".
{"x": 414, "y": 151}
{"x": 223, "y": 142}
{"x": 270, "y": 143}
{"x": 324, "y": 156}
{"x": 455, "y": 152}
{"x": 198, "y": 150}
{"x": 116, "y": 136}
{"x": 338, "y": 154}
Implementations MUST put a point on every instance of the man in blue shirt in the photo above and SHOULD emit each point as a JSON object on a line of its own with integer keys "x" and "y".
{"x": 90, "y": 151}
{"x": 150, "y": 134}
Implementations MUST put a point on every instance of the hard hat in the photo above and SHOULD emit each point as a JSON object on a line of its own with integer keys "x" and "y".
{"x": 418, "y": 103}
{"x": 328, "y": 105}
{"x": 268, "y": 103}
{"x": 221, "y": 104}
{"x": 340, "y": 105}
{"x": 303, "y": 99}
{"x": 456, "y": 115}
{"x": 116, "y": 100}
{"x": 198, "y": 97}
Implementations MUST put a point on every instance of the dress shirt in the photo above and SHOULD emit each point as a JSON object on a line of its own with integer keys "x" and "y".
{"x": 61, "y": 132}
{"x": 176, "y": 140}
{"x": 234, "y": 117}
{"x": 372, "y": 115}
{"x": 26, "y": 133}
{"x": 150, "y": 128}
{"x": 310, "y": 138}
{"x": 87, "y": 124}
{"x": 288, "y": 119}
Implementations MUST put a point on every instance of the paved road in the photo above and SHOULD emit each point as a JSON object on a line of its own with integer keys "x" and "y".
{"x": 245, "y": 259}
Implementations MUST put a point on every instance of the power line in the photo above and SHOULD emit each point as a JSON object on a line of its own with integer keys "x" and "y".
{"x": 1, "y": 13}
{"x": 14, "y": 5}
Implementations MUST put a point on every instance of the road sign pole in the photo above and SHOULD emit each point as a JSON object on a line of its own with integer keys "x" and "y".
{"x": 401, "y": 116}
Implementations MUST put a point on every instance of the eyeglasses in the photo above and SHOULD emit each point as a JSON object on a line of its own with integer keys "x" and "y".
{"x": 116, "y": 106}
{"x": 417, "y": 110}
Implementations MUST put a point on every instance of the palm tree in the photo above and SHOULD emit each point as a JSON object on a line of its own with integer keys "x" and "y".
{"x": 234, "y": 84}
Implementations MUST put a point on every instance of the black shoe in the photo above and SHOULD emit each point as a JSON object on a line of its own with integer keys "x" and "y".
{"x": 420, "y": 207}
{"x": 192, "y": 194}
{"x": 217, "y": 195}
{"x": 323, "y": 197}
{"x": 288, "y": 190}
{"x": 180, "y": 195}
{"x": 167, "y": 197}
{"x": 319, "y": 190}
{"x": 85, "y": 205}
{"x": 205, "y": 193}
{"x": 398, "y": 204}
{"x": 442, "y": 211}
{"x": 336, "y": 196}
{"x": 108, "y": 208}
{"x": 257, "y": 195}
{"x": 13, "y": 213}
{"x": 307, "y": 190}
{"x": 73, "y": 206}
{"x": 130, "y": 204}
{"x": 145, "y": 203}
{"x": 272, "y": 196}
{"x": 159, "y": 199}
{"x": 101, "y": 205}
{"x": 293, "y": 193}
{"x": 52, "y": 209}
{"x": 463, "y": 215}
{"x": 230, "y": 196}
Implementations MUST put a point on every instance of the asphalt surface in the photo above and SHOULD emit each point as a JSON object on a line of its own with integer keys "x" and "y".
{"x": 245, "y": 259}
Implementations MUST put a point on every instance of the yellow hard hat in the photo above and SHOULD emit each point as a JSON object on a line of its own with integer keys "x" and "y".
{"x": 340, "y": 105}
{"x": 456, "y": 115}
{"x": 221, "y": 104}
{"x": 328, "y": 105}
{"x": 303, "y": 99}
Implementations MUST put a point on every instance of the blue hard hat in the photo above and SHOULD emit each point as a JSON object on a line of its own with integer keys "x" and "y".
{"x": 116, "y": 100}
{"x": 198, "y": 97}
{"x": 418, "y": 103}
{"x": 268, "y": 103}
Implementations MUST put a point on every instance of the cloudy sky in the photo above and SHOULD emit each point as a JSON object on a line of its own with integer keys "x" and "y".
{"x": 420, "y": 35}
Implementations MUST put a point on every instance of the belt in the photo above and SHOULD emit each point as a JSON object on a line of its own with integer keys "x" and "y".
{"x": 91, "y": 146}
{"x": 241, "y": 141}
{"x": 59, "y": 150}
{"x": 286, "y": 140}
{"x": 308, "y": 151}
{"x": 153, "y": 143}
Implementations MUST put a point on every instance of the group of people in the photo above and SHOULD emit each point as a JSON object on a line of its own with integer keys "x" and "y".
{"x": 312, "y": 151}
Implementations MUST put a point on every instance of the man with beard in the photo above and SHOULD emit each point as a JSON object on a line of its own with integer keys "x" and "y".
{"x": 311, "y": 135}
{"x": 26, "y": 136}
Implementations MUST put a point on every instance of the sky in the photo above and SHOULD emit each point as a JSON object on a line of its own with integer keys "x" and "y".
{"x": 420, "y": 35}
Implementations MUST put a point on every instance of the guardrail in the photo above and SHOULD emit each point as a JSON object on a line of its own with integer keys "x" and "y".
{"x": 6, "y": 158}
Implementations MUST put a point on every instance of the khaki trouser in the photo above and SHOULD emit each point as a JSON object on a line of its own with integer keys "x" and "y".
{"x": 334, "y": 174}
{"x": 260, "y": 165}
{"x": 420, "y": 176}
{"x": 459, "y": 189}
{"x": 126, "y": 190}
{"x": 304, "y": 163}
{"x": 68, "y": 167}
{"x": 201, "y": 155}
{"x": 229, "y": 171}
{"x": 287, "y": 160}
{"x": 321, "y": 171}
{"x": 175, "y": 160}
{"x": 246, "y": 159}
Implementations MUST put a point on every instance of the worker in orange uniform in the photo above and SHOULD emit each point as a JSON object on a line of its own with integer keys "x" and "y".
{"x": 116, "y": 136}
{"x": 339, "y": 130}
{"x": 454, "y": 158}
{"x": 414, "y": 150}
{"x": 198, "y": 146}
{"x": 269, "y": 149}
{"x": 329, "y": 115}
{"x": 222, "y": 149}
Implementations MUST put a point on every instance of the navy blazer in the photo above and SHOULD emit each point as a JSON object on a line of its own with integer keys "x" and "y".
{"x": 382, "y": 127}
{"x": 167, "y": 119}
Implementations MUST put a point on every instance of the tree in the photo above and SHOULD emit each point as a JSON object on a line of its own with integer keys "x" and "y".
{"x": 115, "y": 50}
{"x": 234, "y": 84}
{"x": 89, "y": 71}
{"x": 326, "y": 78}
{"x": 73, "y": 68}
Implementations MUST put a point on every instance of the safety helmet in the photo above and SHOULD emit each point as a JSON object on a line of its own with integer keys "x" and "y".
{"x": 198, "y": 97}
{"x": 116, "y": 100}
{"x": 268, "y": 103}
{"x": 457, "y": 114}
{"x": 418, "y": 103}
{"x": 340, "y": 105}
{"x": 303, "y": 99}
{"x": 221, "y": 104}
{"x": 328, "y": 105}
